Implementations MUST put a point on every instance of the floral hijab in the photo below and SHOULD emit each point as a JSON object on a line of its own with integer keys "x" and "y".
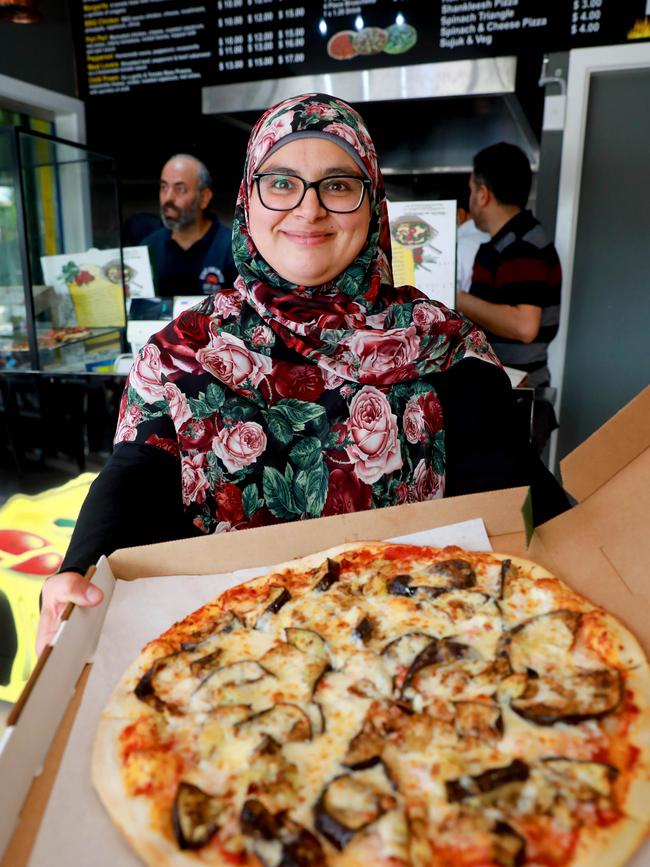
{"x": 286, "y": 401}
{"x": 357, "y": 327}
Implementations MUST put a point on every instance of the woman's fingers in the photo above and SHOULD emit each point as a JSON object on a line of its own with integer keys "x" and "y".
{"x": 58, "y": 591}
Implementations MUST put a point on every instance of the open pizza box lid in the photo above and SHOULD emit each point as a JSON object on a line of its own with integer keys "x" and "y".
{"x": 601, "y": 548}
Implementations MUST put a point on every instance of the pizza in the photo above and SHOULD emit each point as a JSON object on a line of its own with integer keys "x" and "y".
{"x": 369, "y": 40}
{"x": 401, "y": 38}
{"x": 384, "y": 704}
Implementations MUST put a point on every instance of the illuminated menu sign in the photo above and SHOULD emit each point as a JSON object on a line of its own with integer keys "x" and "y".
{"x": 131, "y": 44}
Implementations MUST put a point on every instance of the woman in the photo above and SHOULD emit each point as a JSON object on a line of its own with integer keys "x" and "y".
{"x": 314, "y": 386}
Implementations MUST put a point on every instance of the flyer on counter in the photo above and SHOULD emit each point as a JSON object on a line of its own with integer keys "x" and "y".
{"x": 423, "y": 243}
{"x": 99, "y": 282}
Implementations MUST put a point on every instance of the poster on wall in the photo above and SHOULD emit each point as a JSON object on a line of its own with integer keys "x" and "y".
{"x": 98, "y": 284}
{"x": 423, "y": 245}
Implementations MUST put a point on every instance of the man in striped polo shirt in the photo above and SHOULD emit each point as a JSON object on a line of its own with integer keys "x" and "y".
{"x": 515, "y": 291}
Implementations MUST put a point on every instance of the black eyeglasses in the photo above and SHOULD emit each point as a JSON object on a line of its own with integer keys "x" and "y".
{"x": 340, "y": 194}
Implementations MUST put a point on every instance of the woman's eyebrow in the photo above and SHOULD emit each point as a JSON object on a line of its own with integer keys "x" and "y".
{"x": 279, "y": 170}
{"x": 347, "y": 171}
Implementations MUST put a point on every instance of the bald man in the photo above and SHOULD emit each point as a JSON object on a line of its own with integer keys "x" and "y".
{"x": 193, "y": 251}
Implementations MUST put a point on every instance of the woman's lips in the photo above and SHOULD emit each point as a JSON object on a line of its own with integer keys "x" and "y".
{"x": 307, "y": 239}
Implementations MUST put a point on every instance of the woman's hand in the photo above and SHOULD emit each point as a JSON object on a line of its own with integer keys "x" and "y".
{"x": 57, "y": 592}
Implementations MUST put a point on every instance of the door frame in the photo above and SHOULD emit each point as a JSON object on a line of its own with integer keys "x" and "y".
{"x": 583, "y": 63}
{"x": 68, "y": 113}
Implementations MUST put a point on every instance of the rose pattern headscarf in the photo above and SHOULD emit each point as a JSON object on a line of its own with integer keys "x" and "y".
{"x": 286, "y": 401}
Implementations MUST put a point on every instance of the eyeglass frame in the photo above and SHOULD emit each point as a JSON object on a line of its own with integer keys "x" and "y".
{"x": 312, "y": 185}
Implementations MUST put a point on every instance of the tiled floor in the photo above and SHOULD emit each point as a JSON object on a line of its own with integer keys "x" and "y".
{"x": 40, "y": 474}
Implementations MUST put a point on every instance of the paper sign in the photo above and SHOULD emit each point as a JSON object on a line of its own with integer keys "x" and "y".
{"x": 423, "y": 243}
{"x": 98, "y": 282}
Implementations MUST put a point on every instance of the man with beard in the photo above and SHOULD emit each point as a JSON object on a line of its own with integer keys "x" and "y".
{"x": 193, "y": 251}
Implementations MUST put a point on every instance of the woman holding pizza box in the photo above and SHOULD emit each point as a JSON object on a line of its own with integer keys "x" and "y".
{"x": 315, "y": 386}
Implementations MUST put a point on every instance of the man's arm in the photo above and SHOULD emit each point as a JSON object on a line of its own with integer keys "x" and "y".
{"x": 514, "y": 321}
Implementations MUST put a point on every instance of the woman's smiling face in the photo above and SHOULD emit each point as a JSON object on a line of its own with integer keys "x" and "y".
{"x": 309, "y": 245}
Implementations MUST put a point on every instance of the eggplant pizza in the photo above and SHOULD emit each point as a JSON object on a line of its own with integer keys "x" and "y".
{"x": 384, "y": 704}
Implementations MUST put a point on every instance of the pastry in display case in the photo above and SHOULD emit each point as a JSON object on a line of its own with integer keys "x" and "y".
{"x": 63, "y": 278}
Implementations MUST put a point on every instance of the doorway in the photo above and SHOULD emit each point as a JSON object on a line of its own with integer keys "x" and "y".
{"x": 601, "y": 358}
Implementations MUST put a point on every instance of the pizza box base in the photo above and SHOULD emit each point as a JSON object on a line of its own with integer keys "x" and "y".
{"x": 601, "y": 548}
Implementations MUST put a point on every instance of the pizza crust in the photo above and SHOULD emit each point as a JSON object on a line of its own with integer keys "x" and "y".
{"x": 637, "y": 797}
{"x": 610, "y": 847}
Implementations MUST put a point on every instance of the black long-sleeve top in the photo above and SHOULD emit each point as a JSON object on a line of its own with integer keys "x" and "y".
{"x": 137, "y": 498}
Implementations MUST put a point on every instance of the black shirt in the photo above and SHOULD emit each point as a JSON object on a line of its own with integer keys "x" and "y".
{"x": 520, "y": 265}
{"x": 203, "y": 268}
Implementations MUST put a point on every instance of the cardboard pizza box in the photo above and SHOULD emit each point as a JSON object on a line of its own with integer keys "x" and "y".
{"x": 601, "y": 548}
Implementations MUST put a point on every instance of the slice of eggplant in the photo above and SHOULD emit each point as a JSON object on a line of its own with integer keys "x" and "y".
{"x": 245, "y": 671}
{"x": 469, "y": 678}
{"x": 576, "y": 697}
{"x": 308, "y": 641}
{"x": 399, "y": 654}
{"x": 436, "y": 579}
{"x": 316, "y": 717}
{"x": 287, "y": 663}
{"x": 346, "y": 806}
{"x": 283, "y": 722}
{"x": 487, "y": 782}
{"x": 441, "y": 651}
{"x": 367, "y": 745}
{"x": 235, "y": 684}
{"x": 365, "y": 748}
{"x": 402, "y": 585}
{"x": 299, "y": 847}
{"x": 368, "y": 675}
{"x": 226, "y": 623}
{"x": 271, "y": 777}
{"x": 479, "y": 721}
{"x": 278, "y": 596}
{"x": 256, "y": 821}
{"x": 506, "y": 571}
{"x": 459, "y": 573}
{"x": 543, "y": 642}
{"x": 205, "y": 664}
{"x": 327, "y": 574}
{"x": 145, "y": 689}
{"x": 195, "y": 816}
{"x": 509, "y": 847}
{"x": 586, "y": 780}
{"x": 363, "y": 630}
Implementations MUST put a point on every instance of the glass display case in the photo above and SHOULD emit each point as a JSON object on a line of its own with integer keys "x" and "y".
{"x": 62, "y": 293}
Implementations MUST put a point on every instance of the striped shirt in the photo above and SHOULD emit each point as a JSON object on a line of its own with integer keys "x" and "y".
{"x": 520, "y": 265}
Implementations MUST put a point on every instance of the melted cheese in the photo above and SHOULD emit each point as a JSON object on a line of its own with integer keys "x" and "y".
{"x": 341, "y": 686}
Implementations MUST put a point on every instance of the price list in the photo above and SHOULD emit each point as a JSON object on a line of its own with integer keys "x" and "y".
{"x": 517, "y": 25}
{"x": 129, "y": 43}
{"x": 259, "y": 36}
{"x": 489, "y": 23}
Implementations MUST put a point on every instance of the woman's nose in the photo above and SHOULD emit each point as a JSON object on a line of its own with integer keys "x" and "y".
{"x": 310, "y": 205}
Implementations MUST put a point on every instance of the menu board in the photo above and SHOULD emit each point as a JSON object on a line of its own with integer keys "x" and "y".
{"x": 131, "y": 44}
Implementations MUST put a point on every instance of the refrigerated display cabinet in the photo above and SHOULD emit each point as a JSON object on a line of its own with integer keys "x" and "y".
{"x": 61, "y": 271}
